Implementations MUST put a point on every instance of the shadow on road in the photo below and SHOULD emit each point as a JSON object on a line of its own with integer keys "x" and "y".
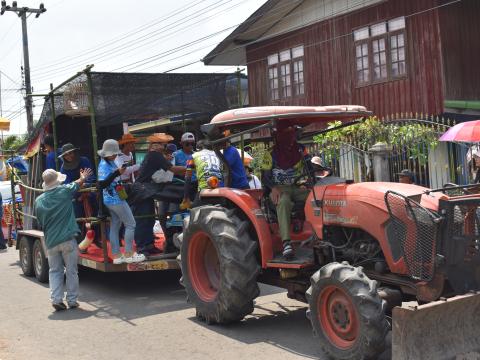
{"x": 285, "y": 327}
{"x": 131, "y": 295}
{"x": 282, "y": 326}
{"x": 76, "y": 314}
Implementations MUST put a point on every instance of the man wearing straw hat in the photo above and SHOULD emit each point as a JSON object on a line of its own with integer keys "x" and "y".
{"x": 127, "y": 146}
{"x": 153, "y": 161}
{"x": 55, "y": 214}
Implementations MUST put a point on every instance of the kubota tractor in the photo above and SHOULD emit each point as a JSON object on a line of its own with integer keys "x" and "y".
{"x": 361, "y": 248}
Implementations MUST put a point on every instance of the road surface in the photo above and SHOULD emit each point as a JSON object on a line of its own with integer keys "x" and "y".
{"x": 141, "y": 315}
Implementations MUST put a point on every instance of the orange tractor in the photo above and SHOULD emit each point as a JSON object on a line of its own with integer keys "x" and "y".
{"x": 361, "y": 249}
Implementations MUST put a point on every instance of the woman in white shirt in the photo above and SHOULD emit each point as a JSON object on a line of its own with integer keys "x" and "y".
{"x": 253, "y": 181}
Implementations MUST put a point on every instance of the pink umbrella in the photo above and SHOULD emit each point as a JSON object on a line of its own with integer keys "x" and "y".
{"x": 468, "y": 131}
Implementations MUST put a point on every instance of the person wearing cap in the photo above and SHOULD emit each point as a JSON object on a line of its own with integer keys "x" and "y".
{"x": 185, "y": 153}
{"x": 55, "y": 215}
{"x": 113, "y": 198}
{"x": 154, "y": 160}
{"x": 127, "y": 146}
{"x": 405, "y": 177}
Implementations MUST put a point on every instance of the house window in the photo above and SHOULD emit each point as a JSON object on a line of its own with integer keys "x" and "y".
{"x": 273, "y": 80}
{"x": 363, "y": 72}
{"x": 286, "y": 80}
{"x": 397, "y": 53}
{"x": 286, "y": 74}
{"x": 298, "y": 83}
{"x": 380, "y": 52}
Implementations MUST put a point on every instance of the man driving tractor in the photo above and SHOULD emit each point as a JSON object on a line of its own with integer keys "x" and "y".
{"x": 281, "y": 170}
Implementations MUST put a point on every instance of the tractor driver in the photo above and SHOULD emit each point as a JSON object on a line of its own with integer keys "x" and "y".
{"x": 281, "y": 170}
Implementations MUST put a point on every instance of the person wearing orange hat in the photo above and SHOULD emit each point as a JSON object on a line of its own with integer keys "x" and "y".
{"x": 127, "y": 146}
{"x": 154, "y": 160}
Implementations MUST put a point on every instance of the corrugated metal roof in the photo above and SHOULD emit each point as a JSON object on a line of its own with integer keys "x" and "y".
{"x": 275, "y": 18}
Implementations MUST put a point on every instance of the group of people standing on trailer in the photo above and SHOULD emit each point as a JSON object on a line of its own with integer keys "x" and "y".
{"x": 163, "y": 162}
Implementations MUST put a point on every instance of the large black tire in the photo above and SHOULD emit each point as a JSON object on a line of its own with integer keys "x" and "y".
{"x": 346, "y": 312}
{"x": 40, "y": 262}
{"x": 219, "y": 265}
{"x": 25, "y": 251}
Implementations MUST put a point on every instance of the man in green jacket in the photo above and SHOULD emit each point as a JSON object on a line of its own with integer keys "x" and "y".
{"x": 55, "y": 214}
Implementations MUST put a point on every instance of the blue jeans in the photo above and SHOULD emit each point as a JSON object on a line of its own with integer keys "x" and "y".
{"x": 121, "y": 213}
{"x": 144, "y": 229}
{"x": 64, "y": 254}
{"x": 3, "y": 244}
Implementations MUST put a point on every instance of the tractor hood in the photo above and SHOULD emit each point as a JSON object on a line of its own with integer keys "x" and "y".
{"x": 374, "y": 193}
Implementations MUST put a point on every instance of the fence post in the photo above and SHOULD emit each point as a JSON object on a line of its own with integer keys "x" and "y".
{"x": 381, "y": 152}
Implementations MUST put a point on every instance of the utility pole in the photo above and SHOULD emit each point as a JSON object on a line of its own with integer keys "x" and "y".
{"x": 22, "y": 13}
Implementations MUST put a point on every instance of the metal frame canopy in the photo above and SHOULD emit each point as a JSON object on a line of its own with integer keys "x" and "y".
{"x": 292, "y": 115}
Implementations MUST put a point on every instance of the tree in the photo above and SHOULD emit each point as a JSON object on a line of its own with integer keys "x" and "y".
{"x": 14, "y": 142}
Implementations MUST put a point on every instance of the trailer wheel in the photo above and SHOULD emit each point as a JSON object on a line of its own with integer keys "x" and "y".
{"x": 25, "y": 251}
{"x": 219, "y": 265}
{"x": 40, "y": 262}
{"x": 346, "y": 312}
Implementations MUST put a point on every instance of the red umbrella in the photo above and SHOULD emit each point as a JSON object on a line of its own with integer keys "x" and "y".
{"x": 468, "y": 131}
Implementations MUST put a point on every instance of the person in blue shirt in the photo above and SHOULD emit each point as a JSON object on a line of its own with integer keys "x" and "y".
{"x": 186, "y": 152}
{"x": 238, "y": 176}
{"x": 72, "y": 163}
{"x": 48, "y": 144}
{"x": 114, "y": 199}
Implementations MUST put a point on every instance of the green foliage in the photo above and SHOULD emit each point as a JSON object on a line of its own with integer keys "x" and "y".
{"x": 258, "y": 152}
{"x": 14, "y": 142}
{"x": 415, "y": 138}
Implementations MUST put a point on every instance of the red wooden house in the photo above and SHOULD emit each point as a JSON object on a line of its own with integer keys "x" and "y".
{"x": 393, "y": 56}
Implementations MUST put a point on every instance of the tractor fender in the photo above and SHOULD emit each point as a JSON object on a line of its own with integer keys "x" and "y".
{"x": 251, "y": 208}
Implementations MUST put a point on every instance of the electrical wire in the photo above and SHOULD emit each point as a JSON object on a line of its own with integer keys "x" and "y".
{"x": 121, "y": 37}
{"x": 67, "y": 68}
{"x": 110, "y": 52}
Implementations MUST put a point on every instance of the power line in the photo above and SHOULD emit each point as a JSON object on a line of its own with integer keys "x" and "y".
{"x": 9, "y": 78}
{"x": 106, "y": 51}
{"x": 133, "y": 44}
{"x": 121, "y": 37}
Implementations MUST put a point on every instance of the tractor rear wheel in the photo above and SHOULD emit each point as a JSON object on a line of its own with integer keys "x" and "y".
{"x": 346, "y": 312}
{"x": 219, "y": 265}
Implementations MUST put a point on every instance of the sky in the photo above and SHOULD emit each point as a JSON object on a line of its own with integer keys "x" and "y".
{"x": 114, "y": 35}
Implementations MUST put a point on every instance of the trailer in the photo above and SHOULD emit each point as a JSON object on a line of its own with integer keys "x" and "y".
{"x": 78, "y": 127}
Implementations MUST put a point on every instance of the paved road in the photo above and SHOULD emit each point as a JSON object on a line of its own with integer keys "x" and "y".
{"x": 141, "y": 315}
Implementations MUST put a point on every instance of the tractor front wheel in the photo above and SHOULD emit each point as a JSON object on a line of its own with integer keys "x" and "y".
{"x": 346, "y": 312}
{"x": 219, "y": 265}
